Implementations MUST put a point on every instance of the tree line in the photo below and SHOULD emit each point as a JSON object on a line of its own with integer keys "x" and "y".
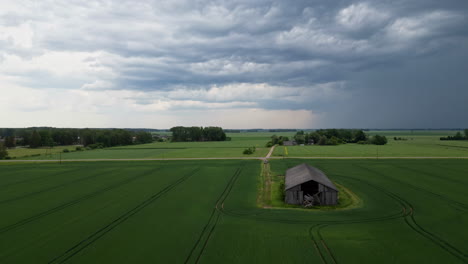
{"x": 330, "y": 137}
{"x": 49, "y": 137}
{"x": 457, "y": 136}
{"x": 186, "y": 134}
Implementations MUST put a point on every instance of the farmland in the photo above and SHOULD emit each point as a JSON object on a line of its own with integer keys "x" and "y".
{"x": 418, "y": 144}
{"x": 206, "y": 211}
{"x": 421, "y": 144}
{"x": 212, "y": 149}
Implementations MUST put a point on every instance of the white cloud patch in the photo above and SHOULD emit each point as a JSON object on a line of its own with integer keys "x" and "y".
{"x": 361, "y": 15}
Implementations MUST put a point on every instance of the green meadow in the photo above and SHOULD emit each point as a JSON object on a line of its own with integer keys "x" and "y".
{"x": 207, "y": 212}
{"x": 233, "y": 148}
{"x": 420, "y": 144}
{"x": 415, "y": 144}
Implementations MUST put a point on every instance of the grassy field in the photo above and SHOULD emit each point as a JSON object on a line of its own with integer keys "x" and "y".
{"x": 36, "y": 152}
{"x": 422, "y": 144}
{"x": 233, "y": 148}
{"x": 418, "y": 144}
{"x": 205, "y": 211}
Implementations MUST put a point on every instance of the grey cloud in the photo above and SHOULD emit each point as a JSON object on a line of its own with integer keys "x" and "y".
{"x": 159, "y": 45}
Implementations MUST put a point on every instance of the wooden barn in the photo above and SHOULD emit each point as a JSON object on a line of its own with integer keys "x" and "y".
{"x": 306, "y": 185}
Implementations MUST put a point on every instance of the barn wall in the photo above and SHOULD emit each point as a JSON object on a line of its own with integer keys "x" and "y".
{"x": 295, "y": 195}
{"x": 329, "y": 196}
{"x": 291, "y": 196}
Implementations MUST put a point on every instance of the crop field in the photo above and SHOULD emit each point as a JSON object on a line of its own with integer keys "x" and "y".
{"x": 414, "y": 146}
{"x": 37, "y": 152}
{"x": 418, "y": 144}
{"x": 206, "y": 212}
{"x": 233, "y": 148}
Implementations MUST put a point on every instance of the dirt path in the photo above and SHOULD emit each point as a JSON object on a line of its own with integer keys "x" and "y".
{"x": 271, "y": 152}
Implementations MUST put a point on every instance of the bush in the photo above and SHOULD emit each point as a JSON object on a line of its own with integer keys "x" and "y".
{"x": 66, "y": 150}
{"x": 269, "y": 144}
{"x": 79, "y": 148}
{"x": 379, "y": 140}
{"x": 363, "y": 142}
{"x": 249, "y": 151}
{"x": 95, "y": 146}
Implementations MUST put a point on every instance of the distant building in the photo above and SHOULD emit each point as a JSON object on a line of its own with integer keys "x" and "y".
{"x": 289, "y": 143}
{"x": 306, "y": 185}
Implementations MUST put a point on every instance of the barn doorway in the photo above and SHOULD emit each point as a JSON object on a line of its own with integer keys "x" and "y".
{"x": 310, "y": 188}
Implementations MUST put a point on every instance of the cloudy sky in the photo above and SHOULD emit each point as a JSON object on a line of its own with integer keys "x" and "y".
{"x": 236, "y": 64}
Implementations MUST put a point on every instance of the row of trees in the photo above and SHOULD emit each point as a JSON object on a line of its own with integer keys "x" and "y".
{"x": 184, "y": 134}
{"x": 330, "y": 136}
{"x": 276, "y": 140}
{"x": 458, "y": 136}
{"x": 39, "y": 137}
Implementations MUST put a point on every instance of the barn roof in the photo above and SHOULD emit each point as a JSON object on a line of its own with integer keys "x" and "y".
{"x": 303, "y": 173}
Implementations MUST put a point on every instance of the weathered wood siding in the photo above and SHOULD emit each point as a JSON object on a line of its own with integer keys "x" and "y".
{"x": 292, "y": 195}
{"x": 296, "y": 196}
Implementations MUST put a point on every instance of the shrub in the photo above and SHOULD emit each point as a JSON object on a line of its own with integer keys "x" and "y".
{"x": 249, "y": 151}
{"x": 79, "y": 148}
{"x": 269, "y": 144}
{"x": 379, "y": 140}
{"x": 95, "y": 146}
{"x": 66, "y": 150}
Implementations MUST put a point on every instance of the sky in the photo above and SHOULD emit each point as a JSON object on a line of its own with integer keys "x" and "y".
{"x": 236, "y": 64}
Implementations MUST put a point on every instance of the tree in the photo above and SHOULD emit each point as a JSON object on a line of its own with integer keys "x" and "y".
{"x": 3, "y": 151}
{"x": 10, "y": 142}
{"x": 144, "y": 137}
{"x": 466, "y": 133}
{"x": 458, "y": 136}
{"x": 379, "y": 140}
{"x": 322, "y": 140}
{"x": 360, "y": 136}
{"x": 35, "y": 140}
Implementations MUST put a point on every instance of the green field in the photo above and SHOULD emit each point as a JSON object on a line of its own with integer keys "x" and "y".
{"x": 37, "y": 152}
{"x": 233, "y": 148}
{"x": 206, "y": 212}
{"x": 420, "y": 145}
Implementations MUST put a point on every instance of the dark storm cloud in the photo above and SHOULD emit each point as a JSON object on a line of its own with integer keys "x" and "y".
{"x": 194, "y": 45}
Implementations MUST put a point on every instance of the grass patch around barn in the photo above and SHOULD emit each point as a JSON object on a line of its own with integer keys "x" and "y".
{"x": 271, "y": 194}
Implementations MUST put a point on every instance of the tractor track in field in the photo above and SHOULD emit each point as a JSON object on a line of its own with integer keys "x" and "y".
{"x": 28, "y": 180}
{"x": 461, "y": 205}
{"x": 73, "y": 202}
{"x": 83, "y": 244}
{"x": 212, "y": 221}
{"x": 411, "y": 222}
{"x": 430, "y": 174}
{"x": 407, "y": 214}
{"x": 449, "y": 169}
{"x": 50, "y": 188}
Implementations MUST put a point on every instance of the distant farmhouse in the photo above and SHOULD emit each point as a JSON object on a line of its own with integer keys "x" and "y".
{"x": 289, "y": 143}
{"x": 306, "y": 185}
